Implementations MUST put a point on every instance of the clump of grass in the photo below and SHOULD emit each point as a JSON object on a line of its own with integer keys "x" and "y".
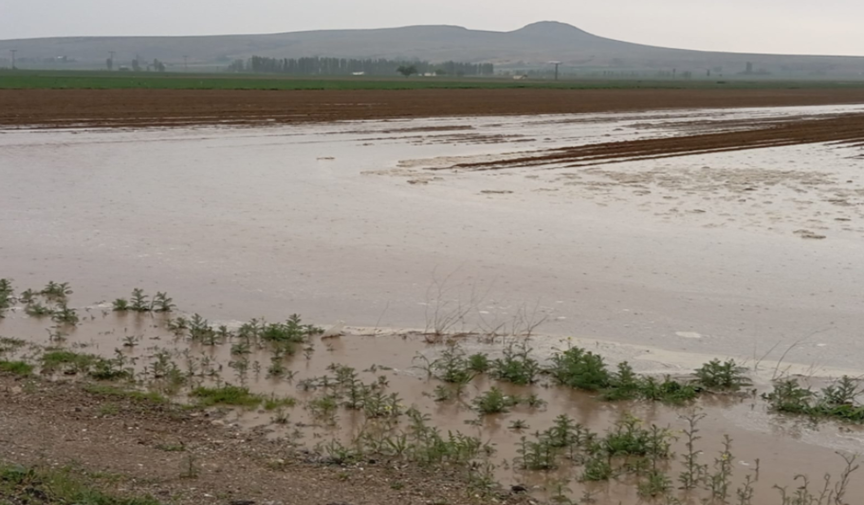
{"x": 836, "y": 401}
{"x": 226, "y": 395}
{"x": 19, "y": 368}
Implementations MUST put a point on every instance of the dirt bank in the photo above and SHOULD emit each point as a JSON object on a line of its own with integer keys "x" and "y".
{"x": 64, "y": 108}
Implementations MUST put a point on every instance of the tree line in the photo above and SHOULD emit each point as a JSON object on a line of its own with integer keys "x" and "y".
{"x": 349, "y": 66}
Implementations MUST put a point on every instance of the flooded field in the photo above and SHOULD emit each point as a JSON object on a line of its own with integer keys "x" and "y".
{"x": 383, "y": 231}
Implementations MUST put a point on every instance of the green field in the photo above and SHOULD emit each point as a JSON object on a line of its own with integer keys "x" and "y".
{"x": 22, "y": 79}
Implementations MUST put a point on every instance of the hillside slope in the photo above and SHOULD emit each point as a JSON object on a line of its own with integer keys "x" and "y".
{"x": 532, "y": 46}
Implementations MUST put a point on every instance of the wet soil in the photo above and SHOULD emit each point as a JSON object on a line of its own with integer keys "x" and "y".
{"x": 140, "y": 448}
{"x": 68, "y": 108}
{"x": 844, "y": 129}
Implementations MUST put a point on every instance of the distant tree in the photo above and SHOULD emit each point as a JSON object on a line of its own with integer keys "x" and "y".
{"x": 237, "y": 66}
{"x": 158, "y": 66}
{"x": 135, "y": 65}
{"x": 407, "y": 70}
{"x": 110, "y": 64}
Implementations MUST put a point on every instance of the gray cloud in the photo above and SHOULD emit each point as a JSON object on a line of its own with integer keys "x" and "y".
{"x": 774, "y": 26}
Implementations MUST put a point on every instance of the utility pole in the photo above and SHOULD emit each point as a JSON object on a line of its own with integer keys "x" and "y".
{"x": 13, "y": 51}
{"x": 556, "y": 63}
{"x": 111, "y": 60}
{"x": 185, "y": 63}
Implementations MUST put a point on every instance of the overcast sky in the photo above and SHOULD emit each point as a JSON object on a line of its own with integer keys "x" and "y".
{"x": 773, "y": 26}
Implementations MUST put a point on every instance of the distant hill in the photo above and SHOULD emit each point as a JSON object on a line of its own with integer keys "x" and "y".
{"x": 533, "y": 46}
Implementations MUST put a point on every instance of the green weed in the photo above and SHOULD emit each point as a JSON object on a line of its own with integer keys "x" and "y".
{"x": 226, "y": 395}
{"x": 494, "y": 401}
{"x": 38, "y": 485}
{"x": 722, "y": 375}
{"x": 20, "y": 368}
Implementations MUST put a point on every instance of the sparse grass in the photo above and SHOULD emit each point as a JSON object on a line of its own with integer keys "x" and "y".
{"x": 72, "y": 363}
{"x": 19, "y": 368}
{"x": 109, "y": 409}
{"x": 273, "y": 403}
{"x": 226, "y": 395}
{"x": 45, "y": 486}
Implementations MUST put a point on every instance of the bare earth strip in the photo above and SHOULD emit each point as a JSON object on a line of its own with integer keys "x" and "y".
{"x": 124, "y": 108}
{"x": 846, "y": 129}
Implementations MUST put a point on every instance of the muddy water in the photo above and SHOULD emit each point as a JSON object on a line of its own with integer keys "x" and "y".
{"x": 780, "y": 447}
{"x": 664, "y": 263}
{"x": 344, "y": 222}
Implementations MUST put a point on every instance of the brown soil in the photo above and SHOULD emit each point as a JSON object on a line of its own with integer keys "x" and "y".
{"x": 65, "y": 108}
{"x": 847, "y": 129}
{"x": 133, "y": 450}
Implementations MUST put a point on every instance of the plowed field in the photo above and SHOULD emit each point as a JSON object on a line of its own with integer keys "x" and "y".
{"x": 131, "y": 108}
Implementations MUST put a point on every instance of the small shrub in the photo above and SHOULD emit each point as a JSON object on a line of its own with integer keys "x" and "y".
{"x": 55, "y": 291}
{"x": 452, "y": 366}
{"x": 64, "y": 315}
{"x": 788, "y": 396}
{"x": 578, "y": 368}
{"x": 494, "y": 401}
{"x": 479, "y": 363}
{"x": 722, "y": 376}
{"x": 516, "y": 366}
{"x": 162, "y": 303}
{"x": 139, "y": 301}
{"x": 36, "y": 309}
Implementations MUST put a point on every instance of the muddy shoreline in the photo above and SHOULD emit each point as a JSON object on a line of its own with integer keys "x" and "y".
{"x": 149, "y": 108}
